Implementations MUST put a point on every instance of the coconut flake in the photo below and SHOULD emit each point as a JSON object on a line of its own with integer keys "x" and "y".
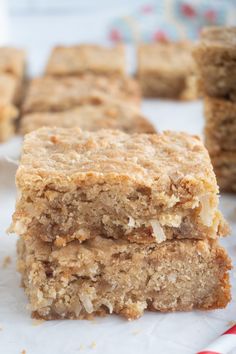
{"x": 157, "y": 231}
{"x": 87, "y": 303}
{"x": 206, "y": 213}
{"x": 131, "y": 222}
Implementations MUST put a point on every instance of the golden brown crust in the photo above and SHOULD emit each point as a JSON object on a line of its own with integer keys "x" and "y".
{"x": 166, "y": 70}
{"x": 9, "y": 86}
{"x": 220, "y": 127}
{"x": 113, "y": 114}
{"x": 69, "y": 92}
{"x": 78, "y": 280}
{"x": 225, "y": 168}
{"x": 215, "y": 56}
{"x": 80, "y": 59}
{"x": 12, "y": 61}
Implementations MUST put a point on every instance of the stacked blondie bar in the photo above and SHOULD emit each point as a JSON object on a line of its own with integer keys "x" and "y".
{"x": 116, "y": 223}
{"x": 12, "y": 69}
{"x": 85, "y": 86}
{"x": 216, "y": 60}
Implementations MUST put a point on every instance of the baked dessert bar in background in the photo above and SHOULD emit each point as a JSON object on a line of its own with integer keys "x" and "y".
{"x": 12, "y": 72}
{"x": 58, "y": 94}
{"x": 113, "y": 114}
{"x": 103, "y": 276}
{"x": 220, "y": 125}
{"x": 215, "y": 56}
{"x": 143, "y": 187}
{"x": 225, "y": 169}
{"x": 166, "y": 70}
{"x": 86, "y": 58}
{"x": 8, "y": 111}
{"x": 12, "y": 61}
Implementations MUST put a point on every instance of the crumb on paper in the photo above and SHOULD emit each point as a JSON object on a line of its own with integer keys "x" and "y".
{"x": 81, "y": 347}
{"x": 136, "y": 331}
{"x": 93, "y": 345}
{"x": 6, "y": 261}
{"x": 23, "y": 351}
{"x": 37, "y": 322}
{"x": 231, "y": 323}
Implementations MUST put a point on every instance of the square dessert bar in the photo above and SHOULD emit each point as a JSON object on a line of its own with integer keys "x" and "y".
{"x": 12, "y": 61}
{"x": 113, "y": 114}
{"x": 215, "y": 55}
{"x": 85, "y": 58}
{"x": 8, "y": 110}
{"x": 69, "y": 92}
{"x": 225, "y": 168}
{"x": 74, "y": 184}
{"x": 166, "y": 70}
{"x": 220, "y": 126}
{"x": 103, "y": 276}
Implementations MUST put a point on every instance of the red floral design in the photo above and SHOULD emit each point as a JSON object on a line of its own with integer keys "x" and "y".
{"x": 147, "y": 9}
{"x": 115, "y": 35}
{"x": 160, "y": 36}
{"x": 188, "y": 10}
{"x": 210, "y": 15}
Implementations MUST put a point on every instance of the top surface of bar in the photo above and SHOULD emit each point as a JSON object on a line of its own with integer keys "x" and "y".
{"x": 224, "y": 37}
{"x": 160, "y": 160}
{"x": 72, "y": 91}
{"x": 169, "y": 57}
{"x": 113, "y": 114}
{"x": 12, "y": 61}
{"x": 82, "y": 58}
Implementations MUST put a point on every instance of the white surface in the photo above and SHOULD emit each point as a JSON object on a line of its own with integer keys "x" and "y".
{"x": 181, "y": 333}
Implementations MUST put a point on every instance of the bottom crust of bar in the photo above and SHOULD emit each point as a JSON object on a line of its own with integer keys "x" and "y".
{"x": 102, "y": 276}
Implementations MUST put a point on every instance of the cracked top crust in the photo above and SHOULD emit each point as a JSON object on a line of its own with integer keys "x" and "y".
{"x": 83, "y": 58}
{"x": 167, "y": 162}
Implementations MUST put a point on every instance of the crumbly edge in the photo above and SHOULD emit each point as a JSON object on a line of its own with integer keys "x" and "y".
{"x": 116, "y": 277}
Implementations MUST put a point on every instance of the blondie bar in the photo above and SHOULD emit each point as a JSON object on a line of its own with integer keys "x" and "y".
{"x": 225, "y": 168}
{"x": 215, "y": 55}
{"x": 103, "y": 276}
{"x": 69, "y": 92}
{"x": 113, "y": 114}
{"x": 166, "y": 70}
{"x": 74, "y": 184}
{"x": 85, "y": 58}
{"x": 12, "y": 61}
{"x": 8, "y": 110}
{"x": 220, "y": 127}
